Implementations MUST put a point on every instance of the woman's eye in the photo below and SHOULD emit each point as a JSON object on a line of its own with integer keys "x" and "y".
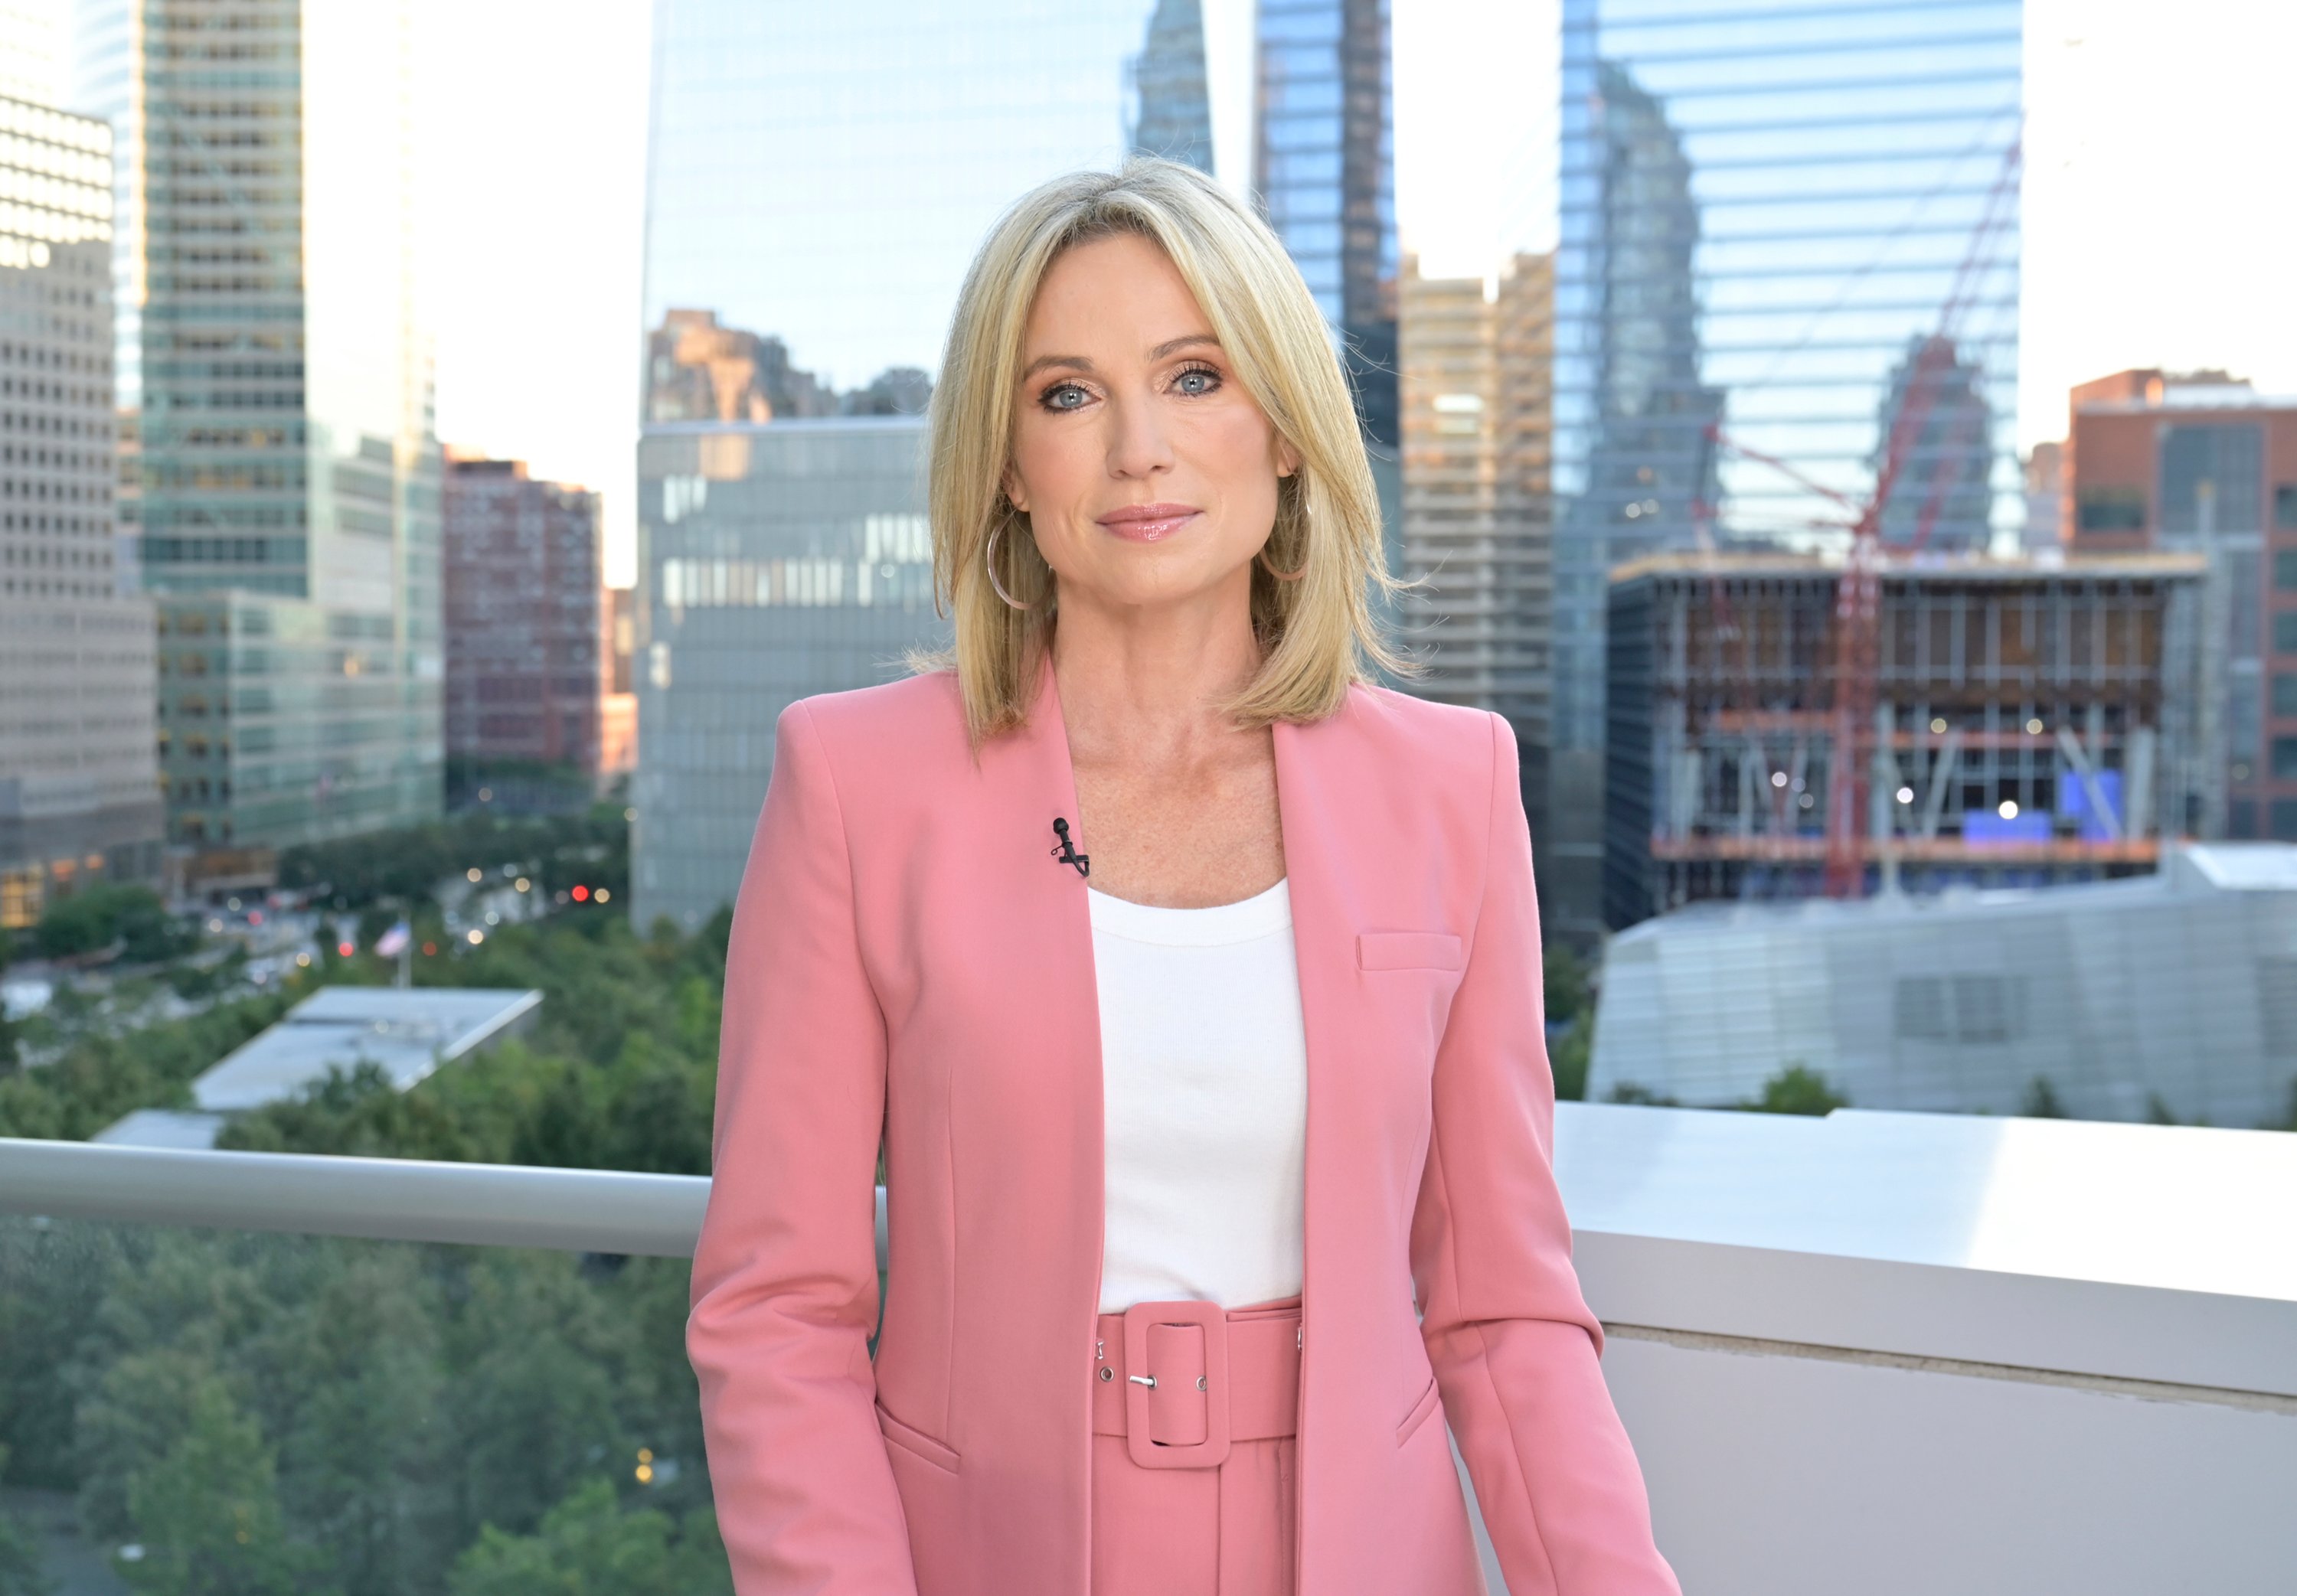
{"x": 1196, "y": 383}
{"x": 1064, "y": 396}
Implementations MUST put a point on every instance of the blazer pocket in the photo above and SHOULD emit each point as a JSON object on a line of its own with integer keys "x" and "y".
{"x": 1407, "y": 951}
{"x": 1431, "y": 1400}
{"x": 916, "y": 1443}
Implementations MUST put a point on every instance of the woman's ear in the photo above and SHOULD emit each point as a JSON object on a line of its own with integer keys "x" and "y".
{"x": 1012, "y": 483}
{"x": 1288, "y": 459}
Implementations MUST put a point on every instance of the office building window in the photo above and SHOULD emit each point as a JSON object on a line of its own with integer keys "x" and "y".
{"x": 2113, "y": 510}
{"x": 2210, "y": 478}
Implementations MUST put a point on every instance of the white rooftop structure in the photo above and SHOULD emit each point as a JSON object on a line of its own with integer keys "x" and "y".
{"x": 163, "y": 1128}
{"x": 2178, "y": 988}
{"x": 408, "y": 1031}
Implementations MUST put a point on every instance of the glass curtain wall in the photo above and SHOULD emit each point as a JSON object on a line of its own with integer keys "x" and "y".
{"x": 1789, "y": 236}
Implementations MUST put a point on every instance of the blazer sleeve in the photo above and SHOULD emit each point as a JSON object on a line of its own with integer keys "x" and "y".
{"x": 784, "y": 1293}
{"x": 1513, "y": 1343}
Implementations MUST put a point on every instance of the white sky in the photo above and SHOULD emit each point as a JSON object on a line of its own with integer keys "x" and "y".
{"x": 2158, "y": 226}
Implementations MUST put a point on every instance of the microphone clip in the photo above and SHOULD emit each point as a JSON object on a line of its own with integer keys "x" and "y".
{"x": 1066, "y": 853}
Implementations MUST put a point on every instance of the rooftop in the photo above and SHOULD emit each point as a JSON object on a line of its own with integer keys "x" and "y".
{"x": 408, "y": 1031}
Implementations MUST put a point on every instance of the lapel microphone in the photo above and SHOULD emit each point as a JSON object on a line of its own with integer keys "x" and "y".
{"x": 1066, "y": 853}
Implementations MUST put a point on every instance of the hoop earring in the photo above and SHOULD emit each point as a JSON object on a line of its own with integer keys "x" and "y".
{"x": 1261, "y": 557}
{"x": 1261, "y": 560}
{"x": 989, "y": 564}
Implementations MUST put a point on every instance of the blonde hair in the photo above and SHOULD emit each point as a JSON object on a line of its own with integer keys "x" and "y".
{"x": 1317, "y": 631}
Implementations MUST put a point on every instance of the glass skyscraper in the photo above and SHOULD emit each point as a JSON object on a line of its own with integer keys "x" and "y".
{"x": 1789, "y": 234}
{"x": 78, "y": 788}
{"x": 288, "y": 494}
{"x": 1324, "y": 166}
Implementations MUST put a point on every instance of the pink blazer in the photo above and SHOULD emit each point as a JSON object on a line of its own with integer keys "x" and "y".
{"x": 908, "y": 961}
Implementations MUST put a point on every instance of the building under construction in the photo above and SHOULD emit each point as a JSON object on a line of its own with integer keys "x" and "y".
{"x": 2033, "y": 722}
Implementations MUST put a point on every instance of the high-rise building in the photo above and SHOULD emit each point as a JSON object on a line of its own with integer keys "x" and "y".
{"x": 524, "y": 634}
{"x": 2202, "y": 463}
{"x": 618, "y": 727}
{"x": 1171, "y": 112}
{"x": 1761, "y": 210}
{"x": 2045, "y": 499}
{"x": 779, "y": 559}
{"x": 1476, "y": 418}
{"x": 1324, "y": 168}
{"x": 288, "y": 482}
{"x": 1938, "y": 429}
{"x": 79, "y": 798}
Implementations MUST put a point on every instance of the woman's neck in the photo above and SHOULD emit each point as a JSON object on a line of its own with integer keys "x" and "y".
{"x": 1147, "y": 682}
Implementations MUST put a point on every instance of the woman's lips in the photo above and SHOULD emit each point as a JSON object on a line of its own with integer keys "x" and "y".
{"x": 1148, "y": 523}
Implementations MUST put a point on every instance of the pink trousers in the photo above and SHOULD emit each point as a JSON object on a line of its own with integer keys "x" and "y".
{"x": 1225, "y": 1529}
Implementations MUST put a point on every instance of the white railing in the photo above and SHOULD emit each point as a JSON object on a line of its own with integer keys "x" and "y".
{"x": 1876, "y": 1352}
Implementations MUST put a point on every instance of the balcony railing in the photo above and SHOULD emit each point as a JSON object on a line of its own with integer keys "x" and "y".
{"x": 1872, "y": 1352}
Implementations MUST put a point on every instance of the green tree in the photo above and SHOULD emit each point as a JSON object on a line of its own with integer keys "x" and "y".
{"x": 1568, "y": 1056}
{"x": 100, "y": 1078}
{"x": 19, "y": 1552}
{"x": 1798, "y": 1090}
{"x": 2042, "y": 1100}
{"x": 206, "y": 1513}
{"x": 1630, "y": 1091}
{"x": 589, "y": 1545}
{"x": 536, "y": 1361}
{"x": 1568, "y": 984}
{"x": 96, "y": 917}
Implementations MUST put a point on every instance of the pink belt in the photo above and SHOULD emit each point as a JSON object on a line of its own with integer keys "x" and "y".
{"x": 1180, "y": 1380}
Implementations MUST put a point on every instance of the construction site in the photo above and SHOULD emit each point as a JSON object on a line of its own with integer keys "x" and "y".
{"x": 1982, "y": 721}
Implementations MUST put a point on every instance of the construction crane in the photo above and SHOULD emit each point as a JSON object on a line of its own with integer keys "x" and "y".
{"x": 1855, "y": 663}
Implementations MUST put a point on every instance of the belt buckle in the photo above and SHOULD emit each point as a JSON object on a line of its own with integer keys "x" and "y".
{"x": 1212, "y": 1319}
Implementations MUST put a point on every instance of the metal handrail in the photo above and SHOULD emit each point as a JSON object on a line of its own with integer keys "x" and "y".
{"x": 377, "y": 1199}
{"x": 382, "y": 1199}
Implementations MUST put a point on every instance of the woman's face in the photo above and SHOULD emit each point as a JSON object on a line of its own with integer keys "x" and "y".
{"x": 1148, "y": 473}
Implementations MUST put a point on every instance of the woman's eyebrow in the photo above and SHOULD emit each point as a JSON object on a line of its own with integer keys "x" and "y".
{"x": 1046, "y": 362}
{"x": 1186, "y": 342}
{"x": 1079, "y": 363}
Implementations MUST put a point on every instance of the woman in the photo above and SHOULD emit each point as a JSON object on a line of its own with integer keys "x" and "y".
{"x": 1191, "y": 988}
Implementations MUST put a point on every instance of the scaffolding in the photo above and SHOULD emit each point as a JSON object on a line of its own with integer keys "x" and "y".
{"x": 2027, "y": 723}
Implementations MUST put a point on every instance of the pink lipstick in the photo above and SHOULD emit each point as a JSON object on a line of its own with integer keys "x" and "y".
{"x": 1149, "y": 523}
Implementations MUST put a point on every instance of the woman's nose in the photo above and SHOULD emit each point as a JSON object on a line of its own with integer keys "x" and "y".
{"x": 1138, "y": 444}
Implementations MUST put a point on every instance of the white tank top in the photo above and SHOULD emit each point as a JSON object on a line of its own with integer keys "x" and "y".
{"x": 1204, "y": 1091}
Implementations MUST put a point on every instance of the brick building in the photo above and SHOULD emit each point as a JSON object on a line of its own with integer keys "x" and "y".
{"x": 527, "y": 633}
{"x": 2202, "y": 462}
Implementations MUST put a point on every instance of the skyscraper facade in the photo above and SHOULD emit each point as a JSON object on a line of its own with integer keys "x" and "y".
{"x": 289, "y": 476}
{"x": 1759, "y": 210}
{"x": 526, "y": 629}
{"x": 1324, "y": 168}
{"x": 79, "y": 785}
{"x": 1171, "y": 112}
{"x": 1477, "y": 420}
